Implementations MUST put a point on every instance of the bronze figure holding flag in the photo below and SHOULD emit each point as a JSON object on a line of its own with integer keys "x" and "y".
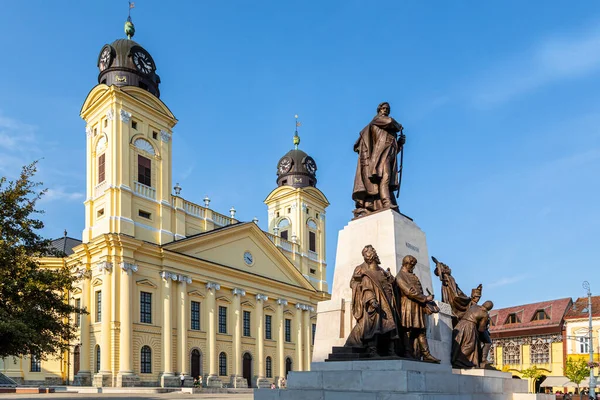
{"x": 377, "y": 173}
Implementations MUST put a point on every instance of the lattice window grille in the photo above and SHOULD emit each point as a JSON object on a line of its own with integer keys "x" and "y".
{"x": 511, "y": 353}
{"x": 540, "y": 352}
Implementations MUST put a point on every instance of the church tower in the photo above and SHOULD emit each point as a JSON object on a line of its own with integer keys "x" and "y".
{"x": 297, "y": 214}
{"x": 128, "y": 147}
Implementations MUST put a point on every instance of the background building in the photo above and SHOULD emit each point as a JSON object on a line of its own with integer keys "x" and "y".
{"x": 527, "y": 335}
{"x": 173, "y": 286}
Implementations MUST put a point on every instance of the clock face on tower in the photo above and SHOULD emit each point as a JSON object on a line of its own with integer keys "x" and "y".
{"x": 311, "y": 166}
{"x": 285, "y": 165}
{"x": 105, "y": 58}
{"x": 248, "y": 258}
{"x": 142, "y": 60}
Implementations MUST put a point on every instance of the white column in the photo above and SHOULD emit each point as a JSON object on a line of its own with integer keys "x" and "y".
{"x": 125, "y": 311}
{"x": 182, "y": 330}
{"x": 237, "y": 379}
{"x": 281, "y": 303}
{"x": 307, "y": 337}
{"x": 213, "y": 378}
{"x": 167, "y": 329}
{"x": 260, "y": 339}
{"x": 299, "y": 358}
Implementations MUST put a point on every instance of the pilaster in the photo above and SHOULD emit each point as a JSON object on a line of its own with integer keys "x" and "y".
{"x": 126, "y": 377}
{"x": 261, "y": 381}
{"x": 237, "y": 380}
{"x": 167, "y": 378}
{"x": 281, "y": 303}
{"x": 213, "y": 379}
{"x": 104, "y": 377}
{"x": 298, "y": 321}
{"x": 182, "y": 331}
{"x": 84, "y": 376}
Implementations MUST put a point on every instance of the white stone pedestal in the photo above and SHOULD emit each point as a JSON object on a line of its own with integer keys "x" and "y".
{"x": 393, "y": 236}
{"x": 398, "y": 380}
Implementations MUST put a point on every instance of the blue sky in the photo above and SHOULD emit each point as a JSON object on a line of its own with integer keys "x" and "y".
{"x": 500, "y": 104}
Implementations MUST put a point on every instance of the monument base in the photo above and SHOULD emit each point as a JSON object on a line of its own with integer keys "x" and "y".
{"x": 399, "y": 380}
{"x": 394, "y": 236}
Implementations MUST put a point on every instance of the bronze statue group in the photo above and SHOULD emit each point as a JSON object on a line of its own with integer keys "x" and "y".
{"x": 391, "y": 312}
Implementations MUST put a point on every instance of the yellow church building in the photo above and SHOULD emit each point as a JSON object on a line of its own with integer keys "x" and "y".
{"x": 173, "y": 287}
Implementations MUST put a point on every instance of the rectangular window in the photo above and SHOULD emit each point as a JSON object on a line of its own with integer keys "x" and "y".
{"x": 134, "y": 125}
{"x": 247, "y": 323}
{"x": 154, "y": 135}
{"x": 195, "y": 315}
{"x": 144, "y": 214}
{"x": 314, "y": 332}
{"x": 144, "y": 171}
{"x": 99, "y": 306}
{"x": 36, "y": 364}
{"x": 101, "y": 164}
{"x": 77, "y": 315}
{"x": 284, "y": 235}
{"x": 268, "y": 327}
{"x": 288, "y": 330}
{"x": 312, "y": 241}
{"x": 145, "y": 307}
{"x": 222, "y": 319}
{"x": 100, "y": 213}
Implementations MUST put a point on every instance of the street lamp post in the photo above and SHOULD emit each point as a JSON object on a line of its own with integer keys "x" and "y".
{"x": 586, "y": 286}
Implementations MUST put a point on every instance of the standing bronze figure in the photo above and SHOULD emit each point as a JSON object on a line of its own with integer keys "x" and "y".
{"x": 374, "y": 306}
{"x": 414, "y": 305}
{"x": 467, "y": 347}
{"x": 377, "y": 175}
{"x": 451, "y": 293}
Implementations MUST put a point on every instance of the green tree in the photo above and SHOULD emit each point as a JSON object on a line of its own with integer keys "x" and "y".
{"x": 576, "y": 371}
{"x": 534, "y": 373}
{"x": 34, "y": 311}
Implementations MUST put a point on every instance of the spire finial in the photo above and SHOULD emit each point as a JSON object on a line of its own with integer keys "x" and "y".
{"x": 129, "y": 28}
{"x": 296, "y": 137}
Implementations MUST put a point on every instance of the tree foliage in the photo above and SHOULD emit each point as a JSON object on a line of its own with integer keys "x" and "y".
{"x": 34, "y": 313}
{"x": 534, "y": 373}
{"x": 576, "y": 370}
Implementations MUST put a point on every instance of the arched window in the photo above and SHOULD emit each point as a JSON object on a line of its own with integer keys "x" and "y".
{"x": 223, "y": 364}
{"x": 283, "y": 227}
{"x": 146, "y": 360}
{"x": 311, "y": 224}
{"x": 288, "y": 365}
{"x": 97, "y": 358}
{"x": 269, "y": 366}
{"x": 144, "y": 145}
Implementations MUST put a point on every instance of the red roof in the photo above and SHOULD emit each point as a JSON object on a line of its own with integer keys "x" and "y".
{"x": 580, "y": 308}
{"x": 555, "y": 311}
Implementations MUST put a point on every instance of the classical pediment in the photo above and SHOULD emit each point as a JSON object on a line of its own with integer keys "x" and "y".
{"x": 97, "y": 282}
{"x": 244, "y": 248}
{"x": 76, "y": 290}
{"x": 196, "y": 293}
{"x": 147, "y": 283}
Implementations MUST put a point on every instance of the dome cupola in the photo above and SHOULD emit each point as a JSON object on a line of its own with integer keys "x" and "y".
{"x": 296, "y": 168}
{"x": 126, "y": 63}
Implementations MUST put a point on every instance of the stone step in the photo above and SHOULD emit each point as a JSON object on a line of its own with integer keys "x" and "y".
{"x": 266, "y": 394}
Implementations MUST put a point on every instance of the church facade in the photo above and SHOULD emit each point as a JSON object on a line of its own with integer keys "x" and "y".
{"x": 171, "y": 286}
